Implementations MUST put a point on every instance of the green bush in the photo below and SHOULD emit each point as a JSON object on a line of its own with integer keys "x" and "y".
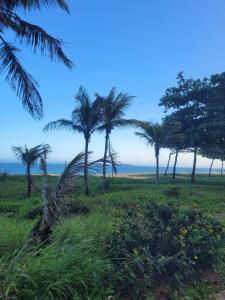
{"x": 163, "y": 245}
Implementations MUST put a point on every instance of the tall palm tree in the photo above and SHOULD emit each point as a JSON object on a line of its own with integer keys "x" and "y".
{"x": 85, "y": 119}
{"x": 28, "y": 158}
{"x": 32, "y": 36}
{"x": 113, "y": 109}
{"x": 155, "y": 135}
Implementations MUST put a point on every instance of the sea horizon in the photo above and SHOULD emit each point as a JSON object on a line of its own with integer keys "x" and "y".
{"x": 16, "y": 168}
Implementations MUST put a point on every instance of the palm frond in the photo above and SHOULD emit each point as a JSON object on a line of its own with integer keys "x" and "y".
{"x": 67, "y": 179}
{"x": 34, "y": 4}
{"x": 87, "y": 113}
{"x": 59, "y": 124}
{"x": 113, "y": 109}
{"x": 144, "y": 136}
{"x": 26, "y": 155}
{"x": 46, "y": 150}
{"x": 18, "y": 151}
{"x": 113, "y": 156}
{"x": 39, "y": 39}
{"x": 20, "y": 81}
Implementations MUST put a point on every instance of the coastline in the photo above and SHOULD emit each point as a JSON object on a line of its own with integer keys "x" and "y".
{"x": 137, "y": 175}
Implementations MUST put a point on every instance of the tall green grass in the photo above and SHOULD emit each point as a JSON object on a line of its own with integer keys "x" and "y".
{"x": 72, "y": 266}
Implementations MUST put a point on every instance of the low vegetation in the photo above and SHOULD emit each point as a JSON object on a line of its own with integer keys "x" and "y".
{"x": 173, "y": 250}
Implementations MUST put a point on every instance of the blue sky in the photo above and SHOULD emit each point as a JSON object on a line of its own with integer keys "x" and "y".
{"x": 138, "y": 46}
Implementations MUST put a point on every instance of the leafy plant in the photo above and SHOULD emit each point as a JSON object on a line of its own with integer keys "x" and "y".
{"x": 163, "y": 245}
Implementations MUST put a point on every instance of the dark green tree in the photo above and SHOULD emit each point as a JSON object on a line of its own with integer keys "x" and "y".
{"x": 188, "y": 102}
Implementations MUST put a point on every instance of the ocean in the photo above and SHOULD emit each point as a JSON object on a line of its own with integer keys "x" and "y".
{"x": 57, "y": 168}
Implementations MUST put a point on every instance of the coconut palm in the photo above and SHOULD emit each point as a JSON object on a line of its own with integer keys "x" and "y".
{"x": 31, "y": 36}
{"x": 113, "y": 109}
{"x": 85, "y": 119}
{"x": 154, "y": 134}
{"x": 46, "y": 149}
{"x": 28, "y": 158}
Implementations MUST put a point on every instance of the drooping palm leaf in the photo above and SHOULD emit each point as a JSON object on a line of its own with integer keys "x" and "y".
{"x": 20, "y": 81}
{"x": 62, "y": 124}
{"x": 113, "y": 156}
{"x": 34, "y": 4}
{"x": 32, "y": 35}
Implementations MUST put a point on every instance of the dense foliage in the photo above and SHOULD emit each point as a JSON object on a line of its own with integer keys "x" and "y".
{"x": 163, "y": 245}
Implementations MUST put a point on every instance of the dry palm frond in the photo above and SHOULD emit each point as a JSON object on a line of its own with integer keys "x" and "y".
{"x": 56, "y": 197}
{"x": 113, "y": 156}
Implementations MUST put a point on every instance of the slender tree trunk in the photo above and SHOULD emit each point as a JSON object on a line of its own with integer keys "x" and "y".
{"x": 45, "y": 192}
{"x": 86, "y": 189}
{"x": 194, "y": 166}
{"x": 104, "y": 160}
{"x": 175, "y": 164}
{"x": 221, "y": 171}
{"x": 29, "y": 181}
{"x": 210, "y": 168}
{"x": 168, "y": 164}
{"x": 157, "y": 164}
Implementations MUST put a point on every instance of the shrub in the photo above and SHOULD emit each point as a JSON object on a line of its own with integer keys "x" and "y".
{"x": 174, "y": 192}
{"x": 76, "y": 207}
{"x": 163, "y": 245}
{"x": 35, "y": 212}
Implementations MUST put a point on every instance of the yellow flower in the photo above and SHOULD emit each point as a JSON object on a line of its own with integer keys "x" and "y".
{"x": 135, "y": 252}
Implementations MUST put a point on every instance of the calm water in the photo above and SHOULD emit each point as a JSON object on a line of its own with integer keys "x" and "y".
{"x": 56, "y": 168}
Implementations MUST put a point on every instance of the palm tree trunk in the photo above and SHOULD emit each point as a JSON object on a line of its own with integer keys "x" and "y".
{"x": 157, "y": 164}
{"x": 221, "y": 171}
{"x": 104, "y": 161}
{"x": 29, "y": 181}
{"x": 86, "y": 189}
{"x": 210, "y": 169}
{"x": 194, "y": 166}
{"x": 45, "y": 192}
{"x": 175, "y": 164}
{"x": 168, "y": 164}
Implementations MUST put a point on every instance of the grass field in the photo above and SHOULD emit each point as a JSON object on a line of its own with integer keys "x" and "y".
{"x": 76, "y": 259}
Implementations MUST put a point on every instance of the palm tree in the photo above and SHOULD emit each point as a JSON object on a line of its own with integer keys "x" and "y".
{"x": 32, "y": 36}
{"x": 28, "y": 158}
{"x": 46, "y": 149}
{"x": 155, "y": 135}
{"x": 85, "y": 119}
{"x": 113, "y": 109}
